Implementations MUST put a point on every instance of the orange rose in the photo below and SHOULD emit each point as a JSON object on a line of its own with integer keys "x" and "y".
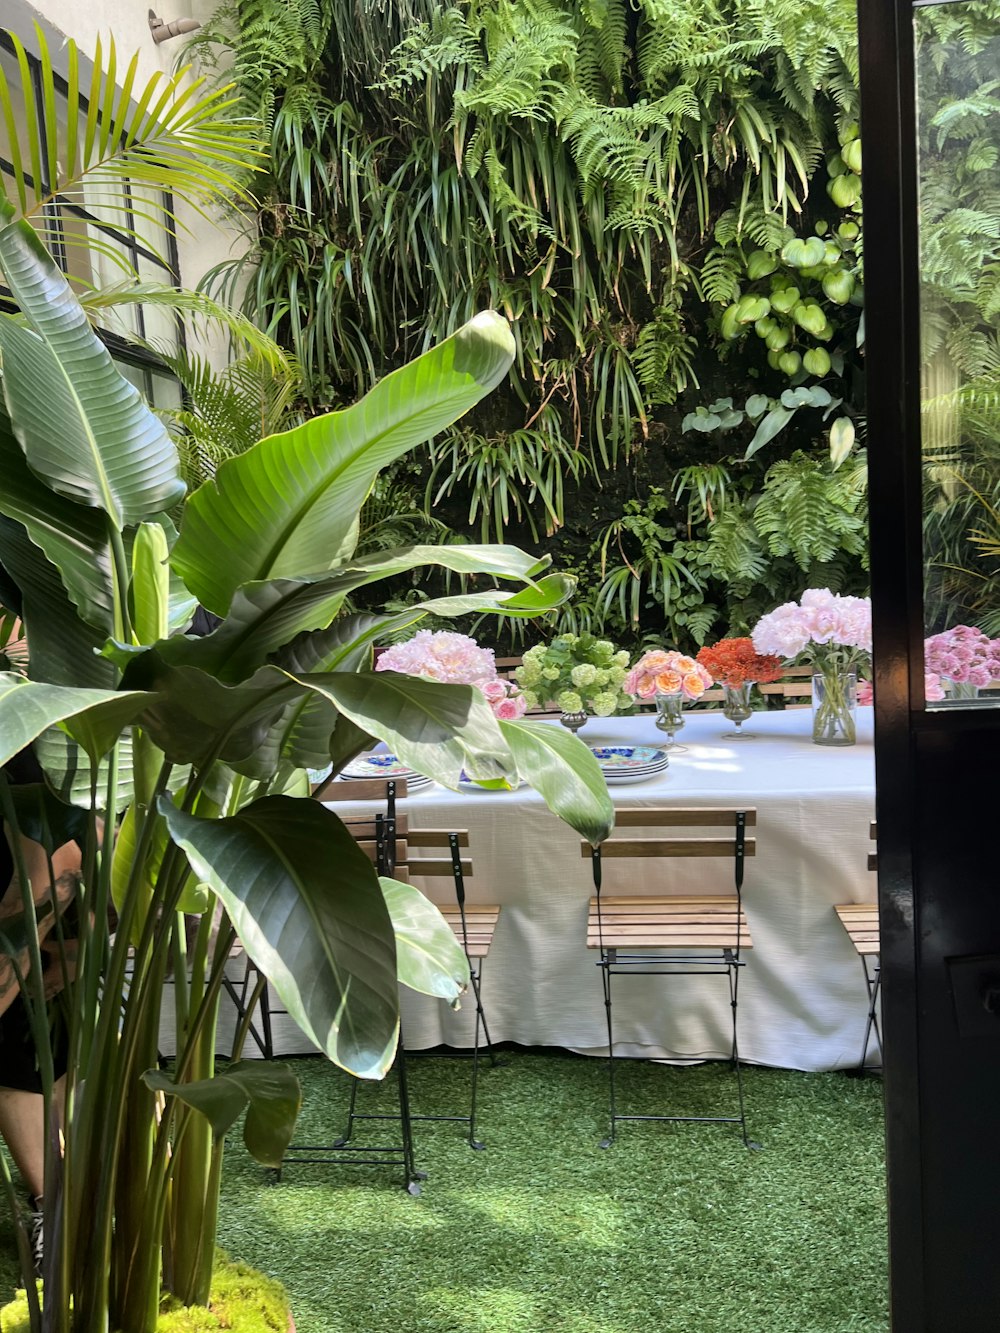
{"x": 694, "y": 686}
{"x": 669, "y": 682}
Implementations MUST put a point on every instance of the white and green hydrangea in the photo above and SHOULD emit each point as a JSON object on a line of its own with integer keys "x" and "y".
{"x": 577, "y": 673}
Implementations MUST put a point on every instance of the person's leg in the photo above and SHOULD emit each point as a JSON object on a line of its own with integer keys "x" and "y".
{"x": 22, "y": 1127}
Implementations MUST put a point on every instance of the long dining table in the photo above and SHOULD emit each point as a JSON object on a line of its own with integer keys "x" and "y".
{"x": 802, "y": 997}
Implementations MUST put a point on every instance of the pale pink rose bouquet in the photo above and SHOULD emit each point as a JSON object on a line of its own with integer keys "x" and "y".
{"x": 965, "y": 656}
{"x": 834, "y": 631}
{"x": 663, "y": 672}
{"x": 455, "y": 659}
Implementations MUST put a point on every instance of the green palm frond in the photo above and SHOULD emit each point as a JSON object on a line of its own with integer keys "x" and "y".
{"x": 197, "y": 307}
{"x": 170, "y": 135}
{"x": 226, "y": 412}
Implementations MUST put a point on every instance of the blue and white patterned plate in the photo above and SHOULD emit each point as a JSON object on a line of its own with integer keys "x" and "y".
{"x": 629, "y": 758}
{"x": 382, "y": 765}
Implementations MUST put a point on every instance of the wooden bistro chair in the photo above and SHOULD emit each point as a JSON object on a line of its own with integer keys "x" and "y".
{"x": 860, "y": 920}
{"x": 474, "y": 927}
{"x": 684, "y": 935}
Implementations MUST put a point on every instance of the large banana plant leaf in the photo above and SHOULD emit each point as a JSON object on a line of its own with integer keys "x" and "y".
{"x": 429, "y": 958}
{"x": 289, "y": 506}
{"x": 265, "y": 616}
{"x": 94, "y": 718}
{"x": 195, "y": 719}
{"x": 73, "y": 537}
{"x": 565, "y": 773}
{"x": 307, "y": 905}
{"x": 268, "y": 1092}
{"x": 85, "y": 430}
{"x": 441, "y": 730}
{"x": 64, "y": 648}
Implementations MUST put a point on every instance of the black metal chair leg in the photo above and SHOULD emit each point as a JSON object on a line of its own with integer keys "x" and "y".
{"x": 348, "y": 1133}
{"x": 413, "y": 1176}
{"x": 734, "y": 982}
{"x": 265, "y": 1022}
{"x": 605, "y": 966}
{"x": 476, "y": 980}
{"x": 872, "y": 984}
{"x": 473, "y": 1141}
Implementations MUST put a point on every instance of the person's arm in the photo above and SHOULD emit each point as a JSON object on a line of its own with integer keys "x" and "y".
{"x": 66, "y": 868}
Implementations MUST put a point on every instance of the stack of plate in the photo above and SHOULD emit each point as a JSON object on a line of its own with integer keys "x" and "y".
{"x": 629, "y": 763}
{"x": 383, "y": 765}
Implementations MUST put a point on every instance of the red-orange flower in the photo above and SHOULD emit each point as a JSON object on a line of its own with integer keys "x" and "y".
{"x": 736, "y": 661}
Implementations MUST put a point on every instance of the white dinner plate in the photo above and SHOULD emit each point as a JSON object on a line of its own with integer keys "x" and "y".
{"x": 622, "y": 779}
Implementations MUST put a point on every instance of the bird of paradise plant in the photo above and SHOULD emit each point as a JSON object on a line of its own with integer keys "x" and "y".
{"x": 194, "y": 750}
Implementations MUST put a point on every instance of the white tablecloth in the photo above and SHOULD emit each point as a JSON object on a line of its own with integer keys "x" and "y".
{"x": 802, "y": 994}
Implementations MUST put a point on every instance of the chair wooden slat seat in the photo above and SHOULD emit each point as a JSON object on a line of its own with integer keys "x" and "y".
{"x": 860, "y": 920}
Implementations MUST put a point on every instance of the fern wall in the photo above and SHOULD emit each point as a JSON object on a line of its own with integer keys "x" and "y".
{"x": 662, "y": 196}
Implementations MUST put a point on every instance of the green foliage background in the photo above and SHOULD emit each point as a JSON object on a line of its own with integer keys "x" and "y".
{"x": 664, "y": 198}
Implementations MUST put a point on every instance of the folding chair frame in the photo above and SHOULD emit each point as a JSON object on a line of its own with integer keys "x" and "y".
{"x": 612, "y": 963}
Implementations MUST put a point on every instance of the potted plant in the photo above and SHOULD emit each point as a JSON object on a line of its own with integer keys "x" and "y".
{"x": 195, "y": 749}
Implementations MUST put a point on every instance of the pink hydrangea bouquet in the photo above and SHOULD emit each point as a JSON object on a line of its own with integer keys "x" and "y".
{"x": 455, "y": 659}
{"x": 965, "y": 656}
{"x": 835, "y": 631}
{"x": 663, "y": 672}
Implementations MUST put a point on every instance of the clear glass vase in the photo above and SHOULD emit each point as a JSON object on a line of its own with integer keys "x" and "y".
{"x": 670, "y": 715}
{"x": 834, "y": 708}
{"x": 736, "y": 706}
{"x": 963, "y": 689}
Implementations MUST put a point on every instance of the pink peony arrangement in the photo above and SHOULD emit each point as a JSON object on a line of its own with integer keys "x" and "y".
{"x": 835, "y": 631}
{"x": 964, "y": 655}
{"x": 455, "y": 659}
{"x": 662, "y": 672}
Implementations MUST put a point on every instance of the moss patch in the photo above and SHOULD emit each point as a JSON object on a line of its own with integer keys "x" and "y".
{"x": 242, "y": 1299}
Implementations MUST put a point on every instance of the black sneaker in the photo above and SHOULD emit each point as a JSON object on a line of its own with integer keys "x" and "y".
{"x": 36, "y": 1233}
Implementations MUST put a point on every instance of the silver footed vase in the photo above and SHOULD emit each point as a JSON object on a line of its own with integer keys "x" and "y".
{"x": 573, "y": 721}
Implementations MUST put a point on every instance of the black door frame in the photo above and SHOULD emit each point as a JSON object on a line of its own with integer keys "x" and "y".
{"x": 938, "y": 882}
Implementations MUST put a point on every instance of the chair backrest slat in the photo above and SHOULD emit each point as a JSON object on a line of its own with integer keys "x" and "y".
{"x": 435, "y": 867}
{"x": 336, "y": 790}
{"x": 437, "y": 837}
{"x": 680, "y": 817}
{"x": 626, "y": 847}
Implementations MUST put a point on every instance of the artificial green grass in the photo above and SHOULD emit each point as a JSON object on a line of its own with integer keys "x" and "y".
{"x": 676, "y": 1229}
